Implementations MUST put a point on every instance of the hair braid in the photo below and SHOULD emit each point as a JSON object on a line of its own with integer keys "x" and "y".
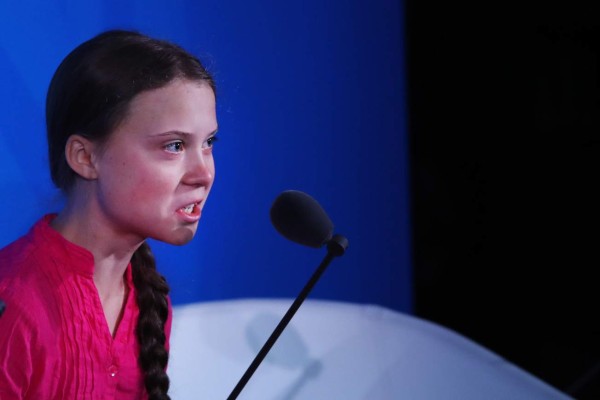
{"x": 151, "y": 296}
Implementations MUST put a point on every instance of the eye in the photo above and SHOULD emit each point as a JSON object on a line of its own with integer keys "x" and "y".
{"x": 210, "y": 142}
{"x": 174, "y": 147}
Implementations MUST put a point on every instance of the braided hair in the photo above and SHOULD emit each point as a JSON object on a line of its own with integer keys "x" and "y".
{"x": 90, "y": 94}
{"x": 151, "y": 296}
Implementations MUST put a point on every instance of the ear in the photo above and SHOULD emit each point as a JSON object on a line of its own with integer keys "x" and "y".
{"x": 79, "y": 153}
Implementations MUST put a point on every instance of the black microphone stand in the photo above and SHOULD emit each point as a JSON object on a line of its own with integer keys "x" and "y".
{"x": 335, "y": 248}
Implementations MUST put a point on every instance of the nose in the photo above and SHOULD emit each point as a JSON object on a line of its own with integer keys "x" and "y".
{"x": 200, "y": 170}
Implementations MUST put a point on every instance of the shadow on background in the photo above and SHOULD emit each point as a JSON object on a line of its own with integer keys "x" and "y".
{"x": 290, "y": 351}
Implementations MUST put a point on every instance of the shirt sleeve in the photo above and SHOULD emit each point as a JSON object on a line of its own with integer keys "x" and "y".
{"x": 17, "y": 339}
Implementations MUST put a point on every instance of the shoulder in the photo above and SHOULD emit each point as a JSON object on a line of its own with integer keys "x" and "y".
{"x": 24, "y": 287}
{"x": 26, "y": 251}
{"x": 23, "y": 262}
{"x": 25, "y": 293}
{"x": 28, "y": 327}
{"x": 21, "y": 265}
{"x": 16, "y": 253}
{"x": 17, "y": 262}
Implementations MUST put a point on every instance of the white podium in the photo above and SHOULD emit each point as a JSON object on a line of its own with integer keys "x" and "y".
{"x": 335, "y": 351}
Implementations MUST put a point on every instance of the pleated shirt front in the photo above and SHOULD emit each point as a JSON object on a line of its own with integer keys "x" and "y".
{"x": 55, "y": 342}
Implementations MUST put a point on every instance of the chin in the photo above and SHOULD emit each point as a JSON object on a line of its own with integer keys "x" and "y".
{"x": 179, "y": 237}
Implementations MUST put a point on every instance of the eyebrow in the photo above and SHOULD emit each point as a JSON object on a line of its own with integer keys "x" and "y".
{"x": 181, "y": 133}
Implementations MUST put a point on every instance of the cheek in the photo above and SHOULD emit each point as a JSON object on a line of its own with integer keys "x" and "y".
{"x": 136, "y": 179}
{"x": 152, "y": 182}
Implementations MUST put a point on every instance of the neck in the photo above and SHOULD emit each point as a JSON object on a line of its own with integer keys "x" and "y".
{"x": 79, "y": 224}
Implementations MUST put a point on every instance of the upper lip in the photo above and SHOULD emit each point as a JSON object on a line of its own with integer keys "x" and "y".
{"x": 195, "y": 202}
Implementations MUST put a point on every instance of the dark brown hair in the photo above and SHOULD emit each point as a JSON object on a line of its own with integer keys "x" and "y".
{"x": 90, "y": 95}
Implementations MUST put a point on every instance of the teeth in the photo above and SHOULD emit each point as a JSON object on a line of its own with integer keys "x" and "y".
{"x": 188, "y": 209}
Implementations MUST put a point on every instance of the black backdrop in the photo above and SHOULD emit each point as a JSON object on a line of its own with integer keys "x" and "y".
{"x": 505, "y": 156}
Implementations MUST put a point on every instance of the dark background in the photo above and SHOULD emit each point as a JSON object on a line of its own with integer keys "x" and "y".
{"x": 504, "y": 126}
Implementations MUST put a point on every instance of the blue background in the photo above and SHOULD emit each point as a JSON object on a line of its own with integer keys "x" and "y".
{"x": 311, "y": 96}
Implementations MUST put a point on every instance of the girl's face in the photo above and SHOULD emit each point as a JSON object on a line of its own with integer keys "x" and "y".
{"x": 156, "y": 170}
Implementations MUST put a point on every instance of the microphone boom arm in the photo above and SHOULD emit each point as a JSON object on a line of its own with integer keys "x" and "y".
{"x": 335, "y": 248}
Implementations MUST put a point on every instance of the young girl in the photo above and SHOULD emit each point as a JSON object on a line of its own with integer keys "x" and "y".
{"x": 131, "y": 123}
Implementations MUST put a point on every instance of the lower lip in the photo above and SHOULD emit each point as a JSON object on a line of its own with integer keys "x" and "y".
{"x": 194, "y": 216}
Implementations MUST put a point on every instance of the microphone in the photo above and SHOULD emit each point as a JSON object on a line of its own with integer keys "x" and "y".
{"x": 301, "y": 219}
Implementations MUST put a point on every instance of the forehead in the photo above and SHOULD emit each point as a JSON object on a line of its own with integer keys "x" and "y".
{"x": 187, "y": 106}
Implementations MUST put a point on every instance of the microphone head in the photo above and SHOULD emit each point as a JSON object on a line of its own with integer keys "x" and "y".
{"x": 301, "y": 219}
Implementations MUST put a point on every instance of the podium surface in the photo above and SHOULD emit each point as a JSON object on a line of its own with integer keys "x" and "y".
{"x": 334, "y": 350}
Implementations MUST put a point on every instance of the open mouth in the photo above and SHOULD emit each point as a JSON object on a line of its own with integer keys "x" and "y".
{"x": 191, "y": 209}
{"x": 188, "y": 209}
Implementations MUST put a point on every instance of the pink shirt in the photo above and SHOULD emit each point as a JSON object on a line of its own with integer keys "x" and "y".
{"x": 54, "y": 339}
